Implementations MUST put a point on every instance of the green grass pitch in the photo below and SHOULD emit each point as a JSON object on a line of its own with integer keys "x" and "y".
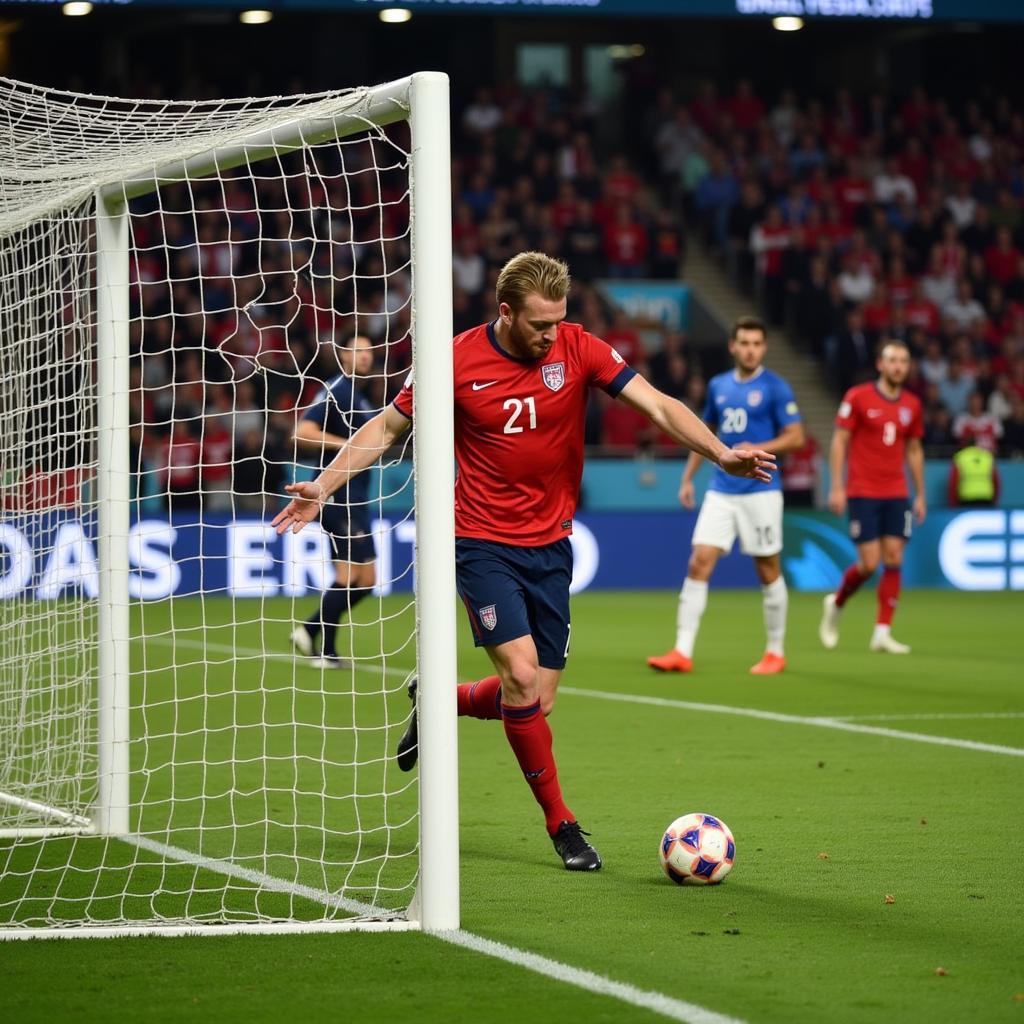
{"x": 828, "y": 823}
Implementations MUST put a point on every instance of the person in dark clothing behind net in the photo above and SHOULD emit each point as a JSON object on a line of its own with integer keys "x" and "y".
{"x": 336, "y": 414}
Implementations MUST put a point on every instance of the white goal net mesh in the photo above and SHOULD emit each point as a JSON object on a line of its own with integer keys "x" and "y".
{"x": 261, "y": 783}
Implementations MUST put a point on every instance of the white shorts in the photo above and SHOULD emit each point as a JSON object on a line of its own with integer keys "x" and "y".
{"x": 757, "y": 518}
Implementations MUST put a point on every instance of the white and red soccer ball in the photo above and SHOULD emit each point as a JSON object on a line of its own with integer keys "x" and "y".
{"x": 697, "y": 849}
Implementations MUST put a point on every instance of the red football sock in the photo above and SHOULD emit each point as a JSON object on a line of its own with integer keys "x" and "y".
{"x": 852, "y": 580}
{"x": 481, "y": 699}
{"x": 888, "y": 595}
{"x": 530, "y": 738}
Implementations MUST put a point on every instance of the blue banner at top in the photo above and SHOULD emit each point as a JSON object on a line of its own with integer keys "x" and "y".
{"x": 813, "y": 10}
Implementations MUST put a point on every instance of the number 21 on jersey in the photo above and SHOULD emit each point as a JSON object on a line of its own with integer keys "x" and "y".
{"x": 516, "y": 406}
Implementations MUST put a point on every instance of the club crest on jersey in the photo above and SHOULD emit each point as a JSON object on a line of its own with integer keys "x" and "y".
{"x": 553, "y": 375}
{"x": 754, "y": 398}
{"x": 905, "y": 416}
{"x": 489, "y": 616}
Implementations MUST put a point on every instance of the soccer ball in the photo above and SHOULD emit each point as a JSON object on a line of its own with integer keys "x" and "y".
{"x": 697, "y": 849}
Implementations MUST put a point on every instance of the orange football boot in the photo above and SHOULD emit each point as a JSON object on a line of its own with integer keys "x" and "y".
{"x": 769, "y": 665}
{"x": 671, "y": 662}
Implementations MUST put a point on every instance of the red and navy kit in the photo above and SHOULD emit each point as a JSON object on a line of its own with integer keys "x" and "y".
{"x": 876, "y": 484}
{"x": 879, "y": 429}
{"x": 519, "y": 432}
{"x": 519, "y": 452}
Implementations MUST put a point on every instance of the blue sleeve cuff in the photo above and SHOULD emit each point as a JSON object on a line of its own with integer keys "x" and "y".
{"x": 621, "y": 379}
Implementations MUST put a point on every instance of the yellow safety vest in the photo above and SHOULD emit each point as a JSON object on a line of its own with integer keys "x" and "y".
{"x": 976, "y": 480}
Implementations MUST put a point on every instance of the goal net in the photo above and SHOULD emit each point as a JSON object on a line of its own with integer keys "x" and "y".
{"x": 177, "y": 282}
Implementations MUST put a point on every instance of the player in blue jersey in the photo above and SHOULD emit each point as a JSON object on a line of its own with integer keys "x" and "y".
{"x": 749, "y": 407}
{"x": 336, "y": 414}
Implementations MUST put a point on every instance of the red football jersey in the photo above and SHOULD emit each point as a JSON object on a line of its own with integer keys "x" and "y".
{"x": 879, "y": 428}
{"x": 519, "y": 432}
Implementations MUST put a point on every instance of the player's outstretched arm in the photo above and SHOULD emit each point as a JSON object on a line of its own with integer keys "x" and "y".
{"x": 361, "y": 450}
{"x": 690, "y": 431}
{"x": 836, "y": 468}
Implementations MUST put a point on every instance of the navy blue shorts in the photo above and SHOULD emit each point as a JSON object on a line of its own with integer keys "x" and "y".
{"x": 871, "y": 518}
{"x": 511, "y": 592}
{"x": 349, "y": 534}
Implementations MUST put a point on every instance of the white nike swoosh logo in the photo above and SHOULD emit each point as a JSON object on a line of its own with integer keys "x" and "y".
{"x": 480, "y": 387}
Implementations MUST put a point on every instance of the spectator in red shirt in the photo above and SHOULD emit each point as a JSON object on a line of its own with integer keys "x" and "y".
{"x": 800, "y": 471}
{"x": 621, "y": 185}
{"x": 1003, "y": 258}
{"x": 623, "y": 337}
{"x": 899, "y": 282}
{"x": 565, "y": 208}
{"x": 877, "y": 311}
{"x": 746, "y": 108}
{"x": 768, "y": 243}
{"x": 706, "y": 107}
{"x": 178, "y": 467}
{"x": 216, "y": 458}
{"x": 626, "y": 244}
{"x": 977, "y": 425}
{"x": 853, "y": 190}
{"x": 916, "y": 111}
{"x": 914, "y": 163}
{"x": 949, "y": 253}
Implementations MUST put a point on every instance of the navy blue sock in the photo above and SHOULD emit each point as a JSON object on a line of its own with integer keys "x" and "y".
{"x": 336, "y": 602}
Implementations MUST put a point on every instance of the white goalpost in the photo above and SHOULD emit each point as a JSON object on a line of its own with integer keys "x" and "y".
{"x": 176, "y": 280}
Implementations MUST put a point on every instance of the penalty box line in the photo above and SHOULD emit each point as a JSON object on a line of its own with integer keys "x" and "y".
{"x": 841, "y": 725}
{"x": 656, "y": 1002}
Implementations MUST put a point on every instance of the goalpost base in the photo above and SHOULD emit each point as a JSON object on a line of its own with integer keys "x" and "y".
{"x": 46, "y": 831}
{"x": 70, "y": 824}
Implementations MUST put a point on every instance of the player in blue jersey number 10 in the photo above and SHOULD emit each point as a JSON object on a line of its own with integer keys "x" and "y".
{"x": 749, "y": 407}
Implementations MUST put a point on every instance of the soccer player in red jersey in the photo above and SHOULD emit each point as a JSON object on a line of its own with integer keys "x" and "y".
{"x": 878, "y": 428}
{"x": 521, "y": 385}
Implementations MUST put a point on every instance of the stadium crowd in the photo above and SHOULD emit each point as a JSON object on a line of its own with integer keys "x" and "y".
{"x": 854, "y": 221}
{"x": 850, "y": 220}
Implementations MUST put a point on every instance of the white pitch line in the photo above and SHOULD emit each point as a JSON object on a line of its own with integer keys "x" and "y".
{"x": 844, "y": 724}
{"x": 232, "y": 870}
{"x": 928, "y": 717}
{"x": 255, "y": 652}
{"x": 777, "y": 716}
{"x": 657, "y": 1002}
{"x": 666, "y": 1006}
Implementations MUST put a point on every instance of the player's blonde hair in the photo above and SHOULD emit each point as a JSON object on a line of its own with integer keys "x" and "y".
{"x": 531, "y": 273}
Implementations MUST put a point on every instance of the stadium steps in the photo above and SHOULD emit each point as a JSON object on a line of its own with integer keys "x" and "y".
{"x": 725, "y": 302}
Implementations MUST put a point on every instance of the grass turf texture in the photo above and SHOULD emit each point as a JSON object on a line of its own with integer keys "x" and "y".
{"x": 789, "y": 937}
